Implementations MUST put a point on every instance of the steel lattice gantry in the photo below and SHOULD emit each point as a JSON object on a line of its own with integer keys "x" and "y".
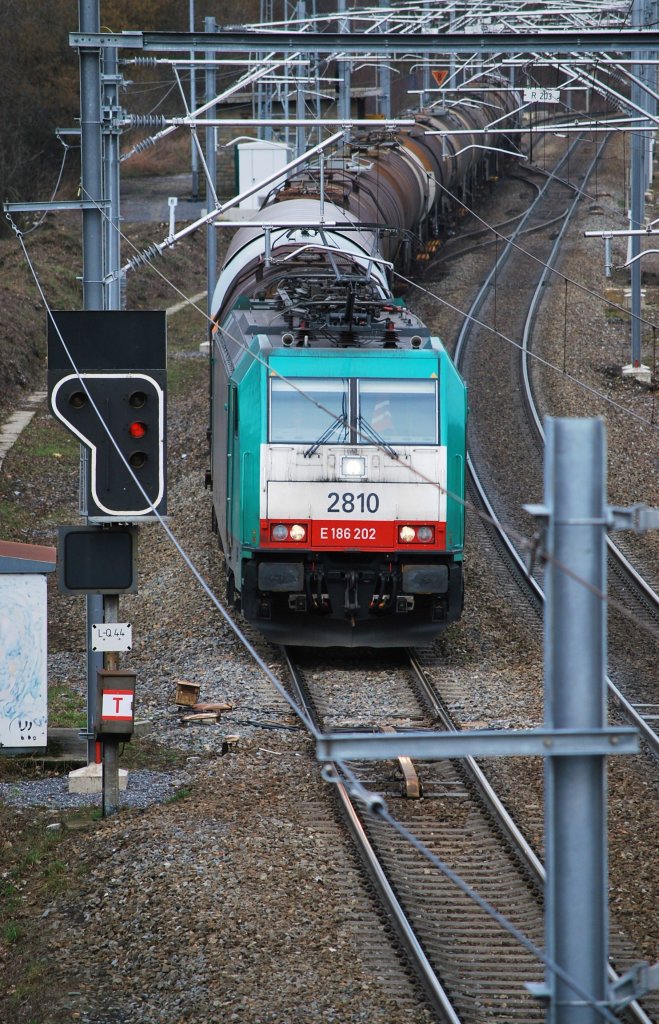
{"x": 618, "y": 40}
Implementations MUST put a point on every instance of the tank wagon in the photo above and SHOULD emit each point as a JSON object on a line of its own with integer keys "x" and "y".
{"x": 338, "y": 420}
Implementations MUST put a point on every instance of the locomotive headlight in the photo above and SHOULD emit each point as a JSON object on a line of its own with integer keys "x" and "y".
{"x": 406, "y": 534}
{"x": 279, "y": 532}
{"x": 298, "y": 532}
{"x": 425, "y": 534}
{"x": 353, "y": 466}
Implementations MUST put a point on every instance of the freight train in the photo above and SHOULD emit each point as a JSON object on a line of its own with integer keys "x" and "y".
{"x": 338, "y": 421}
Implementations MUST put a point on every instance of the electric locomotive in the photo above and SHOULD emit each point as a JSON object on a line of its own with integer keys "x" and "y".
{"x": 338, "y": 422}
{"x": 338, "y": 448}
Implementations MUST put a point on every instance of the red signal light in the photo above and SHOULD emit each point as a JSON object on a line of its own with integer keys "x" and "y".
{"x": 137, "y": 429}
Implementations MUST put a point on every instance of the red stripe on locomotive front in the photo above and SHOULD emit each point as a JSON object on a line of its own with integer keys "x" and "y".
{"x": 335, "y": 535}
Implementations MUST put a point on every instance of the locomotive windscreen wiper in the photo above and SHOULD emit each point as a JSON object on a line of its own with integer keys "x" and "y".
{"x": 365, "y": 430}
{"x": 340, "y": 420}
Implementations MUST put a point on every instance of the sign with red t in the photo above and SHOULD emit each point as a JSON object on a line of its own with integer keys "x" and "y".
{"x": 117, "y": 706}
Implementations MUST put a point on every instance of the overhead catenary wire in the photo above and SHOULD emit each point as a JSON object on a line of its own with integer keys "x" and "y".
{"x": 524, "y": 542}
{"x": 602, "y": 396}
{"x": 559, "y": 274}
{"x": 374, "y": 803}
{"x": 39, "y": 222}
{"x": 156, "y": 249}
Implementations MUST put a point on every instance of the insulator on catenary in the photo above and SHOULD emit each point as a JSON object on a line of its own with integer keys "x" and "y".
{"x": 147, "y": 121}
{"x": 139, "y": 147}
{"x": 142, "y": 258}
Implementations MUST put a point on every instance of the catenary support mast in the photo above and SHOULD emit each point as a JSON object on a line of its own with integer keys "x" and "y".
{"x": 575, "y": 698}
{"x": 92, "y": 273}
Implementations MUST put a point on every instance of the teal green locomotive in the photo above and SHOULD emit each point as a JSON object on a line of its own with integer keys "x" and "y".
{"x": 338, "y": 480}
{"x": 338, "y": 421}
{"x": 338, "y": 454}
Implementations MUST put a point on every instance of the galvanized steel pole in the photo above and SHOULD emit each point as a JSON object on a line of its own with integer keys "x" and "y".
{"x": 92, "y": 275}
{"x": 211, "y": 170}
{"x": 384, "y": 74}
{"x": 112, "y": 224}
{"x": 301, "y": 74}
{"x": 110, "y": 777}
{"x": 194, "y": 190}
{"x": 90, "y": 152}
{"x": 649, "y": 99}
{"x": 575, "y": 698}
{"x": 345, "y": 67}
{"x": 110, "y": 770}
{"x": 425, "y": 95}
{"x": 112, "y": 294}
{"x": 637, "y": 175}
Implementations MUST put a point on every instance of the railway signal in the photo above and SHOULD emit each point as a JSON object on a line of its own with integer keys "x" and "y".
{"x": 106, "y": 377}
{"x": 97, "y": 560}
{"x": 120, "y": 418}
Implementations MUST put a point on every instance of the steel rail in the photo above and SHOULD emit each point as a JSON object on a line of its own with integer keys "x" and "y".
{"x": 643, "y": 726}
{"x": 485, "y": 788}
{"x": 647, "y": 732}
{"x": 436, "y": 993}
{"x": 651, "y": 595}
{"x": 495, "y": 805}
{"x": 483, "y": 292}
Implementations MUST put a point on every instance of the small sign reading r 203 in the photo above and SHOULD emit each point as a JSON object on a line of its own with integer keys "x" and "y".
{"x": 112, "y": 636}
{"x": 541, "y": 95}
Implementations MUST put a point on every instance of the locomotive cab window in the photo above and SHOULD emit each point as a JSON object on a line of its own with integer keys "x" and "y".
{"x": 399, "y": 411}
{"x": 315, "y": 408}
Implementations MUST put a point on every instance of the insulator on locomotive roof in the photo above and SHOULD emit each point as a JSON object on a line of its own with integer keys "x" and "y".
{"x": 302, "y": 335}
{"x": 390, "y": 336}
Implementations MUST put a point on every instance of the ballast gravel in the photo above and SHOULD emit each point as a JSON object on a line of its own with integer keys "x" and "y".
{"x": 145, "y": 788}
{"x": 223, "y": 890}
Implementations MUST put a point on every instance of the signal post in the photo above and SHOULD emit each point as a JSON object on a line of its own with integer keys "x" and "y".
{"x": 107, "y": 386}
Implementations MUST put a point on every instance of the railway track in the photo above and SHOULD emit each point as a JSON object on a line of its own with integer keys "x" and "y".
{"x": 626, "y": 583}
{"x": 453, "y": 949}
{"x": 471, "y": 970}
{"x": 621, "y": 952}
{"x": 627, "y": 586}
{"x": 502, "y": 480}
{"x": 447, "y": 794}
